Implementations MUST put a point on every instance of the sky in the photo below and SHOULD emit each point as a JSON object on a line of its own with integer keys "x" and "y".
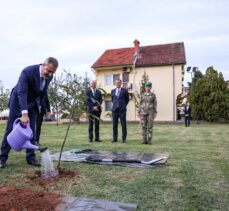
{"x": 77, "y": 32}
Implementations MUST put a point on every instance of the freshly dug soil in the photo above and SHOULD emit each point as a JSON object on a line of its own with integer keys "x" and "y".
{"x": 15, "y": 199}
{"x": 63, "y": 175}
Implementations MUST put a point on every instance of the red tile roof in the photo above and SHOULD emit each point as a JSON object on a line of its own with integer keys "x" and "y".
{"x": 115, "y": 57}
{"x": 153, "y": 55}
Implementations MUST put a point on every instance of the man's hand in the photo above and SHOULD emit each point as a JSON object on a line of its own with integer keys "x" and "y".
{"x": 49, "y": 115}
{"x": 155, "y": 115}
{"x": 95, "y": 108}
{"x": 24, "y": 118}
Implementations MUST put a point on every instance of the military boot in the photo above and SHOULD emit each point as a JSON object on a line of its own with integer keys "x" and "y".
{"x": 144, "y": 141}
{"x": 149, "y": 141}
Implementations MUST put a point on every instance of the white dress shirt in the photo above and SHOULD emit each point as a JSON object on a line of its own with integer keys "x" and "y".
{"x": 118, "y": 90}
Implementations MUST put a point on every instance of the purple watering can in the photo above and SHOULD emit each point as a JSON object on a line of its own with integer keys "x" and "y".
{"x": 19, "y": 138}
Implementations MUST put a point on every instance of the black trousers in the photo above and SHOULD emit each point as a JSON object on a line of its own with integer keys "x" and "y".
{"x": 5, "y": 147}
{"x": 187, "y": 121}
{"x": 94, "y": 121}
{"x": 122, "y": 116}
{"x": 39, "y": 121}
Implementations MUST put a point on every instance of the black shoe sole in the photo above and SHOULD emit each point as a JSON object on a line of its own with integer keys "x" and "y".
{"x": 31, "y": 163}
{"x": 2, "y": 166}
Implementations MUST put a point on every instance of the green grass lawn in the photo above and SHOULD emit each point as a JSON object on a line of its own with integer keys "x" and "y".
{"x": 195, "y": 177}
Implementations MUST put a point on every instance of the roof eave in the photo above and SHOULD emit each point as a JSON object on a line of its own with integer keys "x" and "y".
{"x": 160, "y": 64}
{"x": 107, "y": 67}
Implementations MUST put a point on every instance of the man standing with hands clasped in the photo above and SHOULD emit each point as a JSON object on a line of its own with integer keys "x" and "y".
{"x": 187, "y": 114}
{"x": 120, "y": 99}
{"x": 25, "y": 103}
{"x": 94, "y": 101}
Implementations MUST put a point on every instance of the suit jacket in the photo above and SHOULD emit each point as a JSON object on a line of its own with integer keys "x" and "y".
{"x": 121, "y": 101}
{"x": 93, "y": 101}
{"x": 187, "y": 111}
{"x": 27, "y": 94}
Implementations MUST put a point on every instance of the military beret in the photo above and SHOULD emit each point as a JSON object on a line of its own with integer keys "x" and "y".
{"x": 148, "y": 84}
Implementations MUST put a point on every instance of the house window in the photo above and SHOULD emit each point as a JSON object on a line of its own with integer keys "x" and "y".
{"x": 115, "y": 77}
{"x": 110, "y": 79}
{"x": 125, "y": 77}
{"x": 108, "y": 105}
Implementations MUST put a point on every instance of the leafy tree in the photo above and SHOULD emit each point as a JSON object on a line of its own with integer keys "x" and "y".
{"x": 179, "y": 100}
{"x": 197, "y": 74}
{"x": 56, "y": 96}
{"x": 179, "y": 105}
{"x": 4, "y": 97}
{"x": 145, "y": 78}
{"x": 209, "y": 97}
{"x": 74, "y": 89}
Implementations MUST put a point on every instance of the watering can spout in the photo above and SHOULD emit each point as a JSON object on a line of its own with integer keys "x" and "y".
{"x": 43, "y": 149}
{"x": 28, "y": 145}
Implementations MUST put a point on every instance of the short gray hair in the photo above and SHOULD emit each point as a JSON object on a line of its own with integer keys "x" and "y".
{"x": 93, "y": 81}
{"x": 51, "y": 60}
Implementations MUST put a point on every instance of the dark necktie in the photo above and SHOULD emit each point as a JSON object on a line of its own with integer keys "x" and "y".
{"x": 93, "y": 92}
{"x": 41, "y": 83}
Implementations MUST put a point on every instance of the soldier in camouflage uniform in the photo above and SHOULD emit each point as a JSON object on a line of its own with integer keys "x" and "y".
{"x": 147, "y": 113}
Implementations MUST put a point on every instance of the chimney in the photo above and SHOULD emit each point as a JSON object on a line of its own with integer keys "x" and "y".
{"x": 136, "y": 46}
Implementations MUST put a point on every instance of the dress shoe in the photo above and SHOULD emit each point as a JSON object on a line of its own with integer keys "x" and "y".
{"x": 90, "y": 140}
{"x": 2, "y": 164}
{"x": 34, "y": 163}
{"x": 98, "y": 140}
{"x": 115, "y": 140}
{"x": 144, "y": 142}
{"x": 123, "y": 141}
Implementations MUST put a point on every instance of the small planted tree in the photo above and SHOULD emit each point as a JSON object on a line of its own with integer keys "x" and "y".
{"x": 73, "y": 89}
{"x": 74, "y": 95}
{"x": 145, "y": 78}
{"x": 55, "y": 95}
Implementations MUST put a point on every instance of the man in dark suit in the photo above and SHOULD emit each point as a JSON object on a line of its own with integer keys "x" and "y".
{"x": 44, "y": 110}
{"x": 120, "y": 99}
{"x": 187, "y": 114}
{"x": 25, "y": 103}
{"x": 94, "y": 101}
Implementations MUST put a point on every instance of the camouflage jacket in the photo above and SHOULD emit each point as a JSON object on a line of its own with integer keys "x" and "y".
{"x": 148, "y": 103}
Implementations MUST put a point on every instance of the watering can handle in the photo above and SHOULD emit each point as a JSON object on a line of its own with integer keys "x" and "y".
{"x": 16, "y": 121}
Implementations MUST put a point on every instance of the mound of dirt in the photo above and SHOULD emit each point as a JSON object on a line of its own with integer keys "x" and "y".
{"x": 63, "y": 175}
{"x": 15, "y": 199}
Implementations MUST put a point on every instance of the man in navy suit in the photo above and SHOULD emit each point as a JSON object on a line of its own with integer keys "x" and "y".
{"x": 25, "y": 103}
{"x": 94, "y": 101}
{"x": 187, "y": 114}
{"x": 120, "y": 99}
